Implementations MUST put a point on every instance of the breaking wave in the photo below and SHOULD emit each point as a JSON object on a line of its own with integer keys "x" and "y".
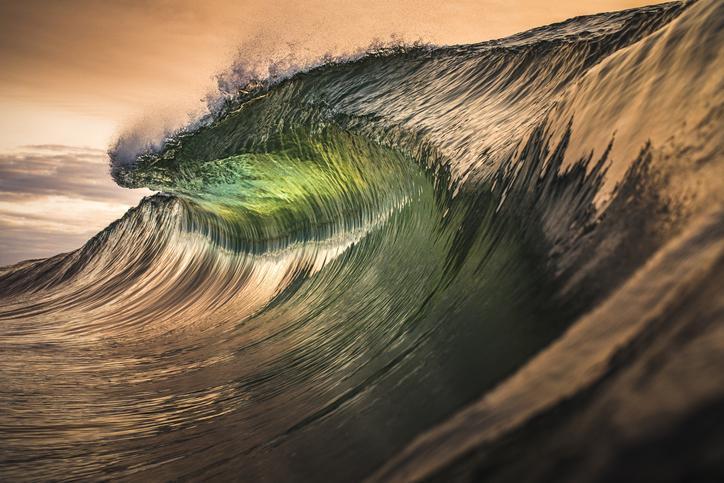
{"x": 423, "y": 263}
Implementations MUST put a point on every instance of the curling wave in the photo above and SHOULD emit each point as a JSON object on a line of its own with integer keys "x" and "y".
{"x": 420, "y": 264}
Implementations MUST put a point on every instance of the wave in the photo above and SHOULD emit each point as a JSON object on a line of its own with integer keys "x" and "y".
{"x": 423, "y": 263}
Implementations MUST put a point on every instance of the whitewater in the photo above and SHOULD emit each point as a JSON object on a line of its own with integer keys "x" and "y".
{"x": 492, "y": 262}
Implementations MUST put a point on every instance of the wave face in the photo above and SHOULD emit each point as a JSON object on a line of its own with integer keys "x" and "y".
{"x": 473, "y": 262}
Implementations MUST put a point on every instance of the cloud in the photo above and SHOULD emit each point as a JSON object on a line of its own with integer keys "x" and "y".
{"x": 53, "y": 198}
{"x": 53, "y": 170}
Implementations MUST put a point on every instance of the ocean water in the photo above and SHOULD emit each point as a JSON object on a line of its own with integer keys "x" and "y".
{"x": 489, "y": 262}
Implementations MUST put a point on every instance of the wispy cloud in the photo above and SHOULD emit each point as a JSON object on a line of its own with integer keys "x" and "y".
{"x": 53, "y": 170}
{"x": 53, "y": 198}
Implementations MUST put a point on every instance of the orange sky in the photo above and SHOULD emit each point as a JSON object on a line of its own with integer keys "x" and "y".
{"x": 76, "y": 72}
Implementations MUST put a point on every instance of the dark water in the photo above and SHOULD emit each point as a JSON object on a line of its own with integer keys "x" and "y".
{"x": 498, "y": 261}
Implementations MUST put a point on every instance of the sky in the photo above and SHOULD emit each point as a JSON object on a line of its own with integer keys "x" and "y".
{"x": 74, "y": 74}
